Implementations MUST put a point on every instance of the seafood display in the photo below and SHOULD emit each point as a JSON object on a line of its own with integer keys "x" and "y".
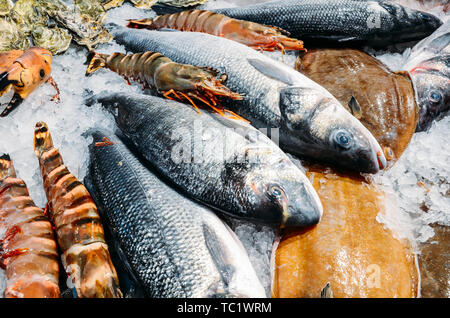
{"x": 28, "y": 250}
{"x": 257, "y": 36}
{"x": 252, "y": 179}
{"x": 376, "y": 23}
{"x": 23, "y": 72}
{"x": 173, "y": 80}
{"x": 311, "y": 122}
{"x": 382, "y": 100}
{"x": 175, "y": 247}
{"x": 429, "y": 66}
{"x": 77, "y": 224}
{"x": 347, "y": 249}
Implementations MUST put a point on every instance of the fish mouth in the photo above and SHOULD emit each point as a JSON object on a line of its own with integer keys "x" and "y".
{"x": 309, "y": 214}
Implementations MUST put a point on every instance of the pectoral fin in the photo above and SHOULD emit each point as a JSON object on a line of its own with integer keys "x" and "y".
{"x": 355, "y": 107}
{"x": 326, "y": 292}
{"x": 280, "y": 72}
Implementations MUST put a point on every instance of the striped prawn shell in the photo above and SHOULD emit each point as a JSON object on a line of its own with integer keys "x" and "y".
{"x": 140, "y": 67}
{"x": 34, "y": 272}
{"x": 77, "y": 224}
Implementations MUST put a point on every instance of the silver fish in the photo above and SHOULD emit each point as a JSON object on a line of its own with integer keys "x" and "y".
{"x": 376, "y": 23}
{"x": 429, "y": 66}
{"x": 223, "y": 163}
{"x": 311, "y": 121}
{"x": 173, "y": 246}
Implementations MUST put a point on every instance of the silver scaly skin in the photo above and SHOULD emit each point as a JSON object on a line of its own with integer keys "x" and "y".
{"x": 228, "y": 164}
{"x": 312, "y": 122}
{"x": 429, "y": 66}
{"x": 376, "y": 23}
{"x": 173, "y": 246}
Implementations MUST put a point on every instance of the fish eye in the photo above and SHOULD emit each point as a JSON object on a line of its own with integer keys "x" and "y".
{"x": 343, "y": 139}
{"x": 435, "y": 97}
{"x": 275, "y": 191}
{"x": 42, "y": 73}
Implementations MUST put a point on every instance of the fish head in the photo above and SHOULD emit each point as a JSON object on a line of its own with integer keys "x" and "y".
{"x": 409, "y": 23}
{"x": 278, "y": 192}
{"x": 432, "y": 84}
{"x": 321, "y": 128}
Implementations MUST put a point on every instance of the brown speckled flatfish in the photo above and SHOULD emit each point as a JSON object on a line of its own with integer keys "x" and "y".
{"x": 77, "y": 224}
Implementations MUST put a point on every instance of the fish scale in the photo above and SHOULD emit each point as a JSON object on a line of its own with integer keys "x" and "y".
{"x": 373, "y": 22}
{"x": 162, "y": 233}
{"x": 229, "y": 166}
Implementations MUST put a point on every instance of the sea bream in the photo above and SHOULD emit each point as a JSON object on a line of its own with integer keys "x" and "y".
{"x": 376, "y": 23}
{"x": 223, "y": 163}
{"x": 312, "y": 123}
{"x": 429, "y": 66}
{"x": 173, "y": 246}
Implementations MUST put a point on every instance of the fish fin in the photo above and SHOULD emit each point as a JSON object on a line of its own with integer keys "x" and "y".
{"x": 326, "y": 291}
{"x": 97, "y": 61}
{"x": 213, "y": 244}
{"x": 15, "y": 101}
{"x": 272, "y": 70}
{"x": 355, "y": 107}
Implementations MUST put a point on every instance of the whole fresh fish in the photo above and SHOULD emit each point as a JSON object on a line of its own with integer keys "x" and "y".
{"x": 311, "y": 122}
{"x": 28, "y": 250}
{"x": 223, "y": 163}
{"x": 384, "y": 101}
{"x": 376, "y": 23}
{"x": 429, "y": 66}
{"x": 173, "y": 246}
{"x": 77, "y": 224}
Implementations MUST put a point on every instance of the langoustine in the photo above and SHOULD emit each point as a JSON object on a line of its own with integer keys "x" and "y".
{"x": 182, "y": 82}
{"x": 254, "y": 35}
{"x": 24, "y": 71}
{"x": 28, "y": 250}
{"x": 78, "y": 226}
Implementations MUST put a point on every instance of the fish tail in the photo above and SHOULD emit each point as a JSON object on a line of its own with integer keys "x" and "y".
{"x": 97, "y": 61}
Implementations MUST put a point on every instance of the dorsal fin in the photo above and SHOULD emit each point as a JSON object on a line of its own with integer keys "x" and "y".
{"x": 355, "y": 107}
{"x": 278, "y": 71}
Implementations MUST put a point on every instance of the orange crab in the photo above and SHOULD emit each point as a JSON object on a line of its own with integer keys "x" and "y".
{"x": 24, "y": 71}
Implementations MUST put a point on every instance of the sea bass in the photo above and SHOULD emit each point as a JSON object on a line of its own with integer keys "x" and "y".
{"x": 429, "y": 66}
{"x": 223, "y": 163}
{"x": 173, "y": 246}
{"x": 312, "y": 123}
{"x": 376, "y": 23}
